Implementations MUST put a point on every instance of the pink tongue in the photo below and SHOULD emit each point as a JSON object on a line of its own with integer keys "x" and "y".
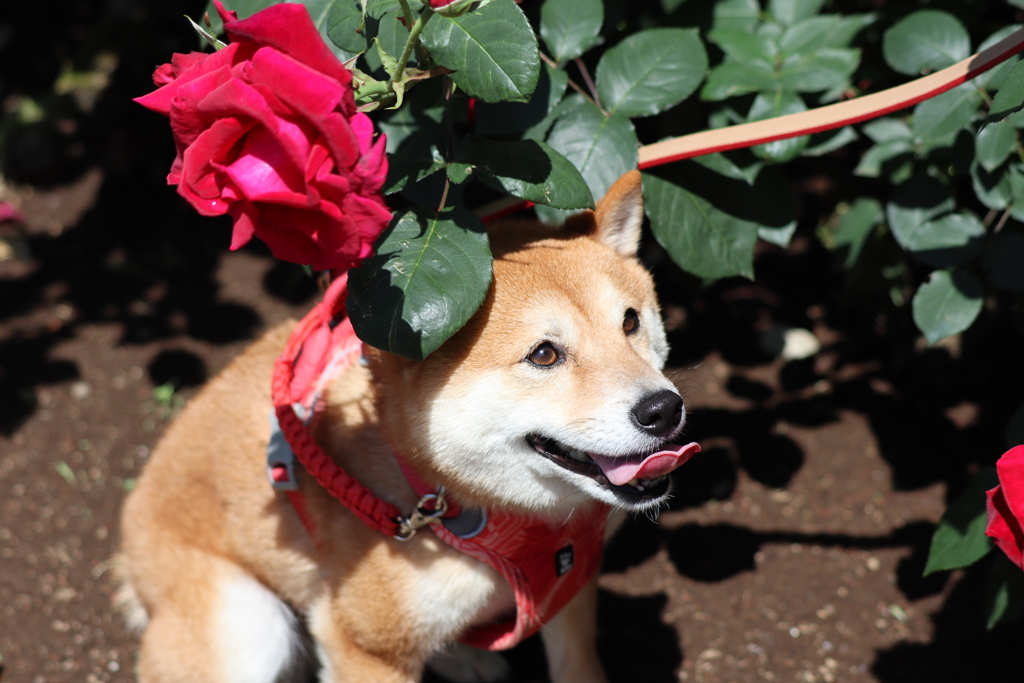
{"x": 621, "y": 470}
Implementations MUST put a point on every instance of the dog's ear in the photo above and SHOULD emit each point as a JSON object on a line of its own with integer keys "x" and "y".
{"x": 618, "y": 218}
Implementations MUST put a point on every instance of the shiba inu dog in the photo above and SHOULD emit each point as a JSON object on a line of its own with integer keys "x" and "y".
{"x": 549, "y": 405}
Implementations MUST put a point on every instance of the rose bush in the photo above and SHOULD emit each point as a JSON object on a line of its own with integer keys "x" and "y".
{"x": 267, "y": 131}
{"x": 1005, "y": 506}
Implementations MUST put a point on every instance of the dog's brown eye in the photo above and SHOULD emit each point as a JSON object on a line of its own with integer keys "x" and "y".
{"x": 631, "y": 323}
{"x": 544, "y": 355}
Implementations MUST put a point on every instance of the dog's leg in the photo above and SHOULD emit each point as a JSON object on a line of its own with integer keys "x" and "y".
{"x": 352, "y": 650}
{"x": 570, "y": 640}
{"x": 216, "y": 623}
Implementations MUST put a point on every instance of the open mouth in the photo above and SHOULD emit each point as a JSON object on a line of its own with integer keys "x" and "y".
{"x": 634, "y": 478}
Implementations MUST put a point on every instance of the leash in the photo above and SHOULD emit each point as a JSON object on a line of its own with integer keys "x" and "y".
{"x": 808, "y": 122}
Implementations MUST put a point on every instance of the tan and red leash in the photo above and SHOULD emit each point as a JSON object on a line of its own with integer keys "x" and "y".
{"x": 808, "y": 122}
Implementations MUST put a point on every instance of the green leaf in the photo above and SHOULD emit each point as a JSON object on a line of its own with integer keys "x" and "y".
{"x": 700, "y": 238}
{"x": 504, "y": 118}
{"x": 731, "y": 79}
{"x": 539, "y": 131}
{"x": 818, "y": 71}
{"x": 651, "y": 71}
{"x": 428, "y": 276}
{"x": 529, "y": 170}
{"x": 1004, "y": 261}
{"x": 744, "y": 46}
{"x": 1015, "y": 428}
{"x": 959, "y": 539}
{"x": 996, "y": 142}
{"x": 945, "y": 114}
{"x": 917, "y": 201}
{"x": 829, "y": 141}
{"x": 393, "y": 35}
{"x": 601, "y": 147}
{"x": 893, "y": 160}
{"x": 789, "y": 12}
{"x": 887, "y": 129}
{"x": 345, "y": 26}
{"x": 493, "y": 51}
{"x": 1004, "y": 594}
{"x": 810, "y": 35}
{"x": 707, "y": 214}
{"x": 849, "y": 27}
{"x": 947, "y": 304}
{"x": 855, "y": 227}
{"x": 780, "y": 237}
{"x": 1010, "y": 97}
{"x": 417, "y": 157}
{"x": 993, "y": 79}
{"x": 570, "y": 27}
{"x": 742, "y": 15}
{"x": 772, "y": 105}
{"x": 999, "y": 189}
{"x": 952, "y": 240}
{"x": 378, "y": 8}
{"x": 926, "y": 40}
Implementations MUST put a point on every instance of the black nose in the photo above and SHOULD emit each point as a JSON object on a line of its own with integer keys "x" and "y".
{"x": 659, "y": 413}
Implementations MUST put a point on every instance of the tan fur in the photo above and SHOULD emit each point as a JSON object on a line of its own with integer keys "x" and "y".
{"x": 204, "y": 518}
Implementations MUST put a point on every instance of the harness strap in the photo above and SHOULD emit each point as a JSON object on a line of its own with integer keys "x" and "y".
{"x": 374, "y": 512}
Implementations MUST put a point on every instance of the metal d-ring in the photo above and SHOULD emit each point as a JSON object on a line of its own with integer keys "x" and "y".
{"x": 422, "y": 515}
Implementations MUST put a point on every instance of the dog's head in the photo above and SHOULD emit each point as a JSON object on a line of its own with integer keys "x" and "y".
{"x": 553, "y": 392}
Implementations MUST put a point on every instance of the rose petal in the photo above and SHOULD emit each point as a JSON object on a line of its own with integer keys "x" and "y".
{"x": 199, "y": 184}
{"x": 301, "y": 40}
{"x": 242, "y": 230}
{"x": 1010, "y": 468}
{"x": 282, "y": 229}
{"x": 263, "y": 167}
{"x": 235, "y": 98}
{"x": 188, "y": 121}
{"x": 1003, "y": 528}
{"x": 160, "y": 100}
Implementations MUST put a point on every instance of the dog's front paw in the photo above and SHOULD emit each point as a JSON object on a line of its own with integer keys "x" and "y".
{"x": 463, "y": 664}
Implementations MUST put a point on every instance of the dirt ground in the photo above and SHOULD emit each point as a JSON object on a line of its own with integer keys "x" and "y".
{"x": 793, "y": 548}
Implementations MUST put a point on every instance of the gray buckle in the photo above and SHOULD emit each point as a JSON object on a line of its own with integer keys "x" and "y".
{"x": 280, "y": 455}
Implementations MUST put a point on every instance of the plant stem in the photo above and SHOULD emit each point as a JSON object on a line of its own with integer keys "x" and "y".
{"x": 444, "y": 195}
{"x": 572, "y": 84}
{"x": 406, "y": 12}
{"x": 590, "y": 83}
{"x": 450, "y": 147}
{"x": 410, "y": 44}
{"x": 1002, "y": 220}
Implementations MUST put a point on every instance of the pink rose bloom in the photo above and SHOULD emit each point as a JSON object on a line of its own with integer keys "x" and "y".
{"x": 1005, "y": 506}
{"x": 267, "y": 131}
{"x": 9, "y": 213}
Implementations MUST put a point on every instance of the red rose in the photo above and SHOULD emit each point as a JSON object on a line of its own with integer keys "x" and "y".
{"x": 434, "y": 4}
{"x": 267, "y": 130}
{"x": 1005, "y": 506}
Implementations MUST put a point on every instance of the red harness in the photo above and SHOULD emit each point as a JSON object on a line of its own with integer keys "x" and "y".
{"x": 546, "y": 564}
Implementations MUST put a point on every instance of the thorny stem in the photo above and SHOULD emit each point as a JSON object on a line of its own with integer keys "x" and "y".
{"x": 572, "y": 84}
{"x": 406, "y": 12}
{"x": 410, "y": 44}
